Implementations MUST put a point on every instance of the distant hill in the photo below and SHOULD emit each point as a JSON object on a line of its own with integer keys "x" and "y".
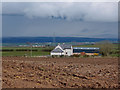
{"x": 50, "y": 39}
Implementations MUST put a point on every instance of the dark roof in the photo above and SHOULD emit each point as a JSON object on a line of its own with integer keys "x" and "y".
{"x": 87, "y": 48}
{"x": 57, "y": 50}
{"x": 65, "y": 46}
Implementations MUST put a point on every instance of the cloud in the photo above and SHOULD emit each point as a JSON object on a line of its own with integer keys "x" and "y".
{"x": 60, "y": 1}
{"x": 23, "y": 26}
{"x": 105, "y": 12}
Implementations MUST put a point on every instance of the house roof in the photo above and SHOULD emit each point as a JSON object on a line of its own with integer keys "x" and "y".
{"x": 57, "y": 50}
{"x": 88, "y": 48}
{"x": 65, "y": 46}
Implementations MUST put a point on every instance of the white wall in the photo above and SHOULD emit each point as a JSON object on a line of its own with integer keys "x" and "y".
{"x": 53, "y": 53}
{"x": 69, "y": 52}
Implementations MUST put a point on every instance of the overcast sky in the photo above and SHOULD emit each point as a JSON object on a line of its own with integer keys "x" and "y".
{"x": 64, "y": 19}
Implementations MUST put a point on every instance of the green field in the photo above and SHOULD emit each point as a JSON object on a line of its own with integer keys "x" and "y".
{"x": 40, "y": 51}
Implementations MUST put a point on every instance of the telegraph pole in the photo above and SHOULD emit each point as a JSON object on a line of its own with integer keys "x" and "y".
{"x": 30, "y": 48}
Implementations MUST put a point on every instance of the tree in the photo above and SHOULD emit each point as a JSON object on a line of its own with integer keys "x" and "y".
{"x": 105, "y": 47}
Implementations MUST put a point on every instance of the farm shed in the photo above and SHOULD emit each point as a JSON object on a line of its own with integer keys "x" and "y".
{"x": 86, "y": 50}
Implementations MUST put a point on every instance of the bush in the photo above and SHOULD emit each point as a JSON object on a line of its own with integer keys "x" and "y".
{"x": 54, "y": 56}
{"x": 62, "y": 56}
{"x": 7, "y": 50}
{"x": 26, "y": 50}
{"x": 105, "y": 47}
{"x": 85, "y": 55}
{"x": 76, "y": 55}
{"x": 47, "y": 50}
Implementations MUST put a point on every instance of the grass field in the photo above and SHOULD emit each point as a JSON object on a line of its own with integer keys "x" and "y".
{"x": 40, "y": 51}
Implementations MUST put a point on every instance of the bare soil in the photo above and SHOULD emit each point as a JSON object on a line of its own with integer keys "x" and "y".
{"x": 35, "y": 72}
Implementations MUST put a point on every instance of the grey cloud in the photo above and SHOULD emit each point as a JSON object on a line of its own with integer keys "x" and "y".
{"x": 22, "y": 26}
{"x": 103, "y": 12}
{"x": 85, "y": 30}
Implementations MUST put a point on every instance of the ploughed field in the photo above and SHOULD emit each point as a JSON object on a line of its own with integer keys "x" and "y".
{"x": 36, "y": 72}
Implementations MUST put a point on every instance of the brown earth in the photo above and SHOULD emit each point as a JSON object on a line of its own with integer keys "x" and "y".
{"x": 24, "y": 72}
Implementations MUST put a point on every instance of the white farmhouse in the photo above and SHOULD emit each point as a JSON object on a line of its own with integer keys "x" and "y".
{"x": 62, "y": 49}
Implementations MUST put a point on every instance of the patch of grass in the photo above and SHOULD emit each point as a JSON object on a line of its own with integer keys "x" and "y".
{"x": 40, "y": 51}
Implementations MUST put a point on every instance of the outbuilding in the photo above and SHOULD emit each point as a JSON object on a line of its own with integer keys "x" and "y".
{"x": 86, "y": 50}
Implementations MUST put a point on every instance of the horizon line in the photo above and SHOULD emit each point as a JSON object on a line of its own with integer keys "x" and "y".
{"x": 57, "y": 37}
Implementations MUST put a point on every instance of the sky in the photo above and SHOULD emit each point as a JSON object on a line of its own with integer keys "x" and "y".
{"x": 64, "y": 19}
